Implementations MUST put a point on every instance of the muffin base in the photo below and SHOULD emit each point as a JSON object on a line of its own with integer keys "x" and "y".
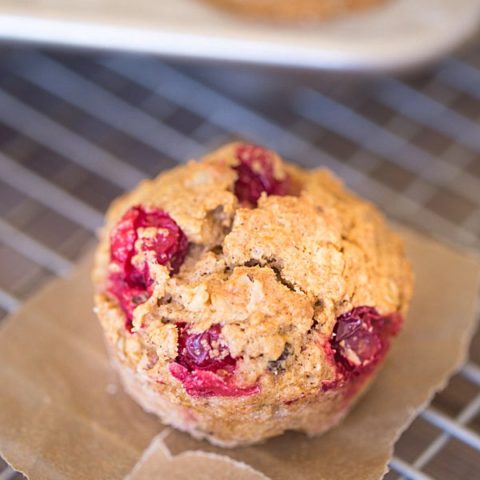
{"x": 312, "y": 415}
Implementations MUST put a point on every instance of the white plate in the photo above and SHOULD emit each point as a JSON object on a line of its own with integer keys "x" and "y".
{"x": 400, "y": 34}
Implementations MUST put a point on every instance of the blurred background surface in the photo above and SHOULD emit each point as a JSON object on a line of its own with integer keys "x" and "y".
{"x": 79, "y": 128}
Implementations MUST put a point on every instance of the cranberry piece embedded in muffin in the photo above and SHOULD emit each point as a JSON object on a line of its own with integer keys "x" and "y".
{"x": 255, "y": 175}
{"x": 161, "y": 241}
{"x": 128, "y": 296}
{"x": 168, "y": 242}
{"x": 204, "y": 364}
{"x": 203, "y": 351}
{"x": 202, "y": 383}
{"x": 361, "y": 338}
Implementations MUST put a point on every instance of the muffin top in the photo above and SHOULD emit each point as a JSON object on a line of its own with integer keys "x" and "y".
{"x": 241, "y": 274}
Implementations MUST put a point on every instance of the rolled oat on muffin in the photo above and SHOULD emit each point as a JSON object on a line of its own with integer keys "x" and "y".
{"x": 242, "y": 296}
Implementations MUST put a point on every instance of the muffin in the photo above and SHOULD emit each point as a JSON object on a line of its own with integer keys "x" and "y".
{"x": 242, "y": 296}
{"x": 299, "y": 10}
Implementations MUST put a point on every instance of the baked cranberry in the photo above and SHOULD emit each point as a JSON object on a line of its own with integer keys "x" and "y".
{"x": 169, "y": 243}
{"x": 202, "y": 383}
{"x": 204, "y": 364}
{"x": 131, "y": 284}
{"x": 128, "y": 296}
{"x": 203, "y": 351}
{"x": 255, "y": 175}
{"x": 361, "y": 338}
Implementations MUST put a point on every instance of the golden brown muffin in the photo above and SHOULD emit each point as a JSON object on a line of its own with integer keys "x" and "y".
{"x": 296, "y": 10}
{"x": 242, "y": 296}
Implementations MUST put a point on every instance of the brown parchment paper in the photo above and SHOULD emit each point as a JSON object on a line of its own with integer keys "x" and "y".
{"x": 63, "y": 414}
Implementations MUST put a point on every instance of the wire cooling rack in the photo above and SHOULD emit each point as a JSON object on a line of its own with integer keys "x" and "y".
{"x": 77, "y": 129}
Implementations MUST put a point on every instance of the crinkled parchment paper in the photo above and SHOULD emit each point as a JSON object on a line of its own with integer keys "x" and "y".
{"x": 63, "y": 414}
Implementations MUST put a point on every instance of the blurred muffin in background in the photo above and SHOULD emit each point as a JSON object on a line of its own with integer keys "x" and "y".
{"x": 294, "y": 10}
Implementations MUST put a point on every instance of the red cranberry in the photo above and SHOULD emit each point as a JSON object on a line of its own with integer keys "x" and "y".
{"x": 132, "y": 284}
{"x": 204, "y": 364}
{"x": 128, "y": 297}
{"x": 196, "y": 351}
{"x": 255, "y": 175}
{"x": 361, "y": 338}
{"x": 202, "y": 383}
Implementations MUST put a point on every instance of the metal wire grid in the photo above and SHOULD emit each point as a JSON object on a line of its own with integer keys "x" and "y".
{"x": 77, "y": 130}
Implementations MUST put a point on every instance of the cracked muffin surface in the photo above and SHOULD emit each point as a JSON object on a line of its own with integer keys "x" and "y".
{"x": 242, "y": 296}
